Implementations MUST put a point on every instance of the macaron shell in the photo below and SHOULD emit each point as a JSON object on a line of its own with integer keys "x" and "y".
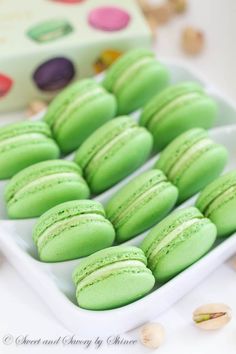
{"x": 79, "y": 241}
{"x": 185, "y": 253}
{"x": 142, "y": 87}
{"x": 119, "y": 288}
{"x": 201, "y": 113}
{"x": 84, "y": 121}
{"x": 35, "y": 204}
{"x": 126, "y": 160}
{"x": 201, "y": 172}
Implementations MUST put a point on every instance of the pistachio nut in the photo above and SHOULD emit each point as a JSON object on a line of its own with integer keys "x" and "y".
{"x": 212, "y": 316}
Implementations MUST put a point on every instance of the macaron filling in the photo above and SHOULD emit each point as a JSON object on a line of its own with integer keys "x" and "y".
{"x": 70, "y": 222}
{"x": 173, "y": 105}
{"x": 130, "y": 72}
{"x": 190, "y": 155}
{"x": 110, "y": 270}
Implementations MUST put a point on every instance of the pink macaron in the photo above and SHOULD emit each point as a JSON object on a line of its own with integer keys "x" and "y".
{"x": 109, "y": 18}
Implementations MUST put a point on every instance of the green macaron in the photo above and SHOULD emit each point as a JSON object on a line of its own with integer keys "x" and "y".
{"x": 23, "y": 144}
{"x": 49, "y": 31}
{"x": 191, "y": 161}
{"x": 134, "y": 78}
{"x": 39, "y": 187}
{"x": 112, "y": 278}
{"x": 218, "y": 203}
{"x": 78, "y": 111}
{"x": 113, "y": 152}
{"x": 177, "y": 109}
{"x": 177, "y": 241}
{"x": 140, "y": 204}
{"x": 72, "y": 230}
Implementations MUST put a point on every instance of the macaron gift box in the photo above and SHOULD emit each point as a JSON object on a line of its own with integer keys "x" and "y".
{"x": 35, "y": 35}
{"x": 55, "y": 279}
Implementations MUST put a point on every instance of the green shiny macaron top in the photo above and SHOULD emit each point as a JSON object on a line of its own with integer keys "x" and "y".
{"x": 141, "y": 203}
{"x": 134, "y": 78}
{"x": 177, "y": 109}
{"x": 23, "y": 144}
{"x": 218, "y": 202}
{"x": 191, "y": 161}
{"x": 79, "y": 110}
{"x": 111, "y": 278}
{"x": 71, "y": 230}
{"x": 113, "y": 152}
{"x": 39, "y": 187}
{"x": 178, "y": 241}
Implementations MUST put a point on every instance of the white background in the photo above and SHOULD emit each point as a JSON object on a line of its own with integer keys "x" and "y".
{"x": 23, "y": 313}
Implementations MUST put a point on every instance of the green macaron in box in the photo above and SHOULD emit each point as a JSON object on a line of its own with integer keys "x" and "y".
{"x": 191, "y": 161}
{"x": 112, "y": 164}
{"x": 176, "y": 109}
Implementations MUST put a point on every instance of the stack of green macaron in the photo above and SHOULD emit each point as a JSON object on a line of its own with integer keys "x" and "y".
{"x": 72, "y": 230}
{"x": 134, "y": 78}
{"x": 177, "y": 241}
{"x": 140, "y": 204}
{"x": 113, "y": 152}
{"x": 176, "y": 109}
{"x": 191, "y": 161}
{"x": 41, "y": 186}
{"x": 78, "y": 111}
{"x": 23, "y": 144}
{"x": 218, "y": 203}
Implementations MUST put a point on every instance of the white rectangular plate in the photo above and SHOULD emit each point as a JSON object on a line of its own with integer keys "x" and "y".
{"x": 53, "y": 281}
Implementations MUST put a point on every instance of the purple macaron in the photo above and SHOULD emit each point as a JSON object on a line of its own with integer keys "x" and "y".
{"x": 54, "y": 74}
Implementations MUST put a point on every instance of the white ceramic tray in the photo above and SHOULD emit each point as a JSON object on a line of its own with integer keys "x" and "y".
{"x": 53, "y": 281}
